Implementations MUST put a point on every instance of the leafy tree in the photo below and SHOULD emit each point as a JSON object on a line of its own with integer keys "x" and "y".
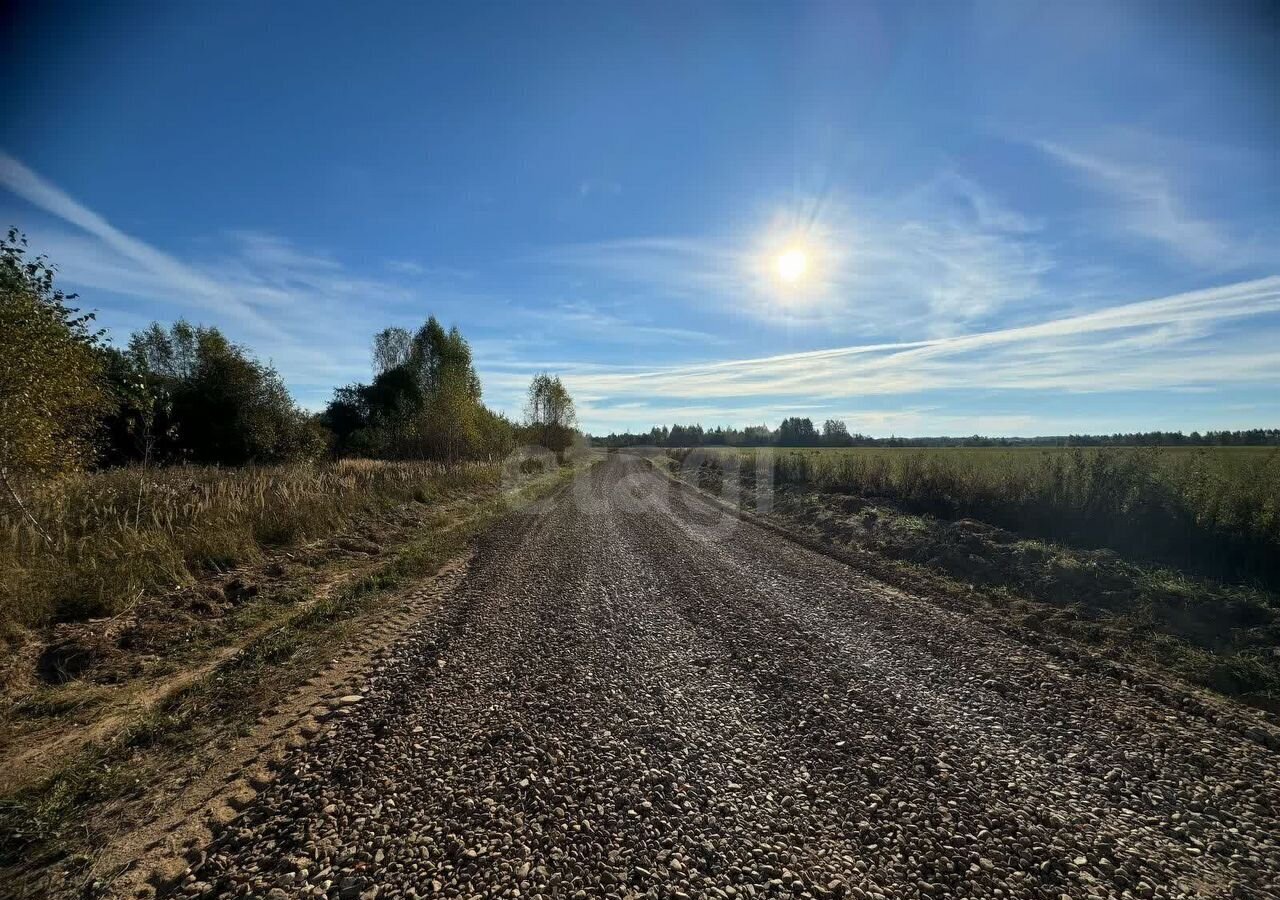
{"x": 797, "y": 432}
{"x": 549, "y": 413}
{"x": 140, "y": 424}
{"x": 437, "y": 355}
{"x": 172, "y": 354}
{"x": 346, "y": 418}
{"x": 51, "y": 391}
{"x": 424, "y": 402}
{"x": 451, "y": 418}
{"x": 495, "y": 433}
{"x": 756, "y": 435}
{"x": 205, "y": 399}
{"x": 835, "y": 434}
{"x": 396, "y": 400}
{"x": 391, "y": 349}
{"x": 685, "y": 436}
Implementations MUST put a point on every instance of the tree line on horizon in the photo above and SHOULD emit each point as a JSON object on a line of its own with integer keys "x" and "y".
{"x": 69, "y": 400}
{"x": 796, "y": 431}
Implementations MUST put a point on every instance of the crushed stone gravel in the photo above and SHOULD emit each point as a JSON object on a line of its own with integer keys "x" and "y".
{"x": 633, "y": 695}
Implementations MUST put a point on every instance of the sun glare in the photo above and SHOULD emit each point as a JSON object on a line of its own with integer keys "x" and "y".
{"x": 792, "y": 265}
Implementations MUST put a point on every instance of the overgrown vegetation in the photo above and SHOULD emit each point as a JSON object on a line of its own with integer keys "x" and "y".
{"x": 128, "y": 473}
{"x": 125, "y": 532}
{"x": 69, "y": 400}
{"x": 423, "y": 403}
{"x": 85, "y": 796}
{"x": 550, "y": 414}
{"x": 51, "y": 388}
{"x": 131, "y": 471}
{"x": 1212, "y": 511}
{"x": 801, "y": 431}
{"x": 187, "y": 394}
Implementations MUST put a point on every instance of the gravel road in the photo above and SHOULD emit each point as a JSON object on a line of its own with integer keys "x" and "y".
{"x": 631, "y": 695}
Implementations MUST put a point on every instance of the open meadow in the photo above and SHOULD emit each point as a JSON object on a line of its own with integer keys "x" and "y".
{"x": 640, "y": 450}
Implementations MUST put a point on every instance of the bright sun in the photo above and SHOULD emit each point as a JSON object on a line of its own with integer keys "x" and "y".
{"x": 792, "y": 265}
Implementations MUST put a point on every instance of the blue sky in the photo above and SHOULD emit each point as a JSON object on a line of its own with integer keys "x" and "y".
{"x": 1017, "y": 218}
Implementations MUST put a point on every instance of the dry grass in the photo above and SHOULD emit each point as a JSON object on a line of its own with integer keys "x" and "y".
{"x": 122, "y": 534}
{"x": 1211, "y": 510}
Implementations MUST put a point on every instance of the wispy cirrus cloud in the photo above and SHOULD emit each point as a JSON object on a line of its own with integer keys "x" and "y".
{"x": 610, "y": 325}
{"x": 304, "y": 310}
{"x": 938, "y": 276}
{"x": 151, "y": 266}
{"x": 405, "y": 267}
{"x": 1150, "y": 206}
{"x": 1187, "y": 341}
{"x": 942, "y": 256}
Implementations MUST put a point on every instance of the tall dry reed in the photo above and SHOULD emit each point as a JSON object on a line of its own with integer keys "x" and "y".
{"x": 122, "y": 533}
{"x": 1215, "y": 510}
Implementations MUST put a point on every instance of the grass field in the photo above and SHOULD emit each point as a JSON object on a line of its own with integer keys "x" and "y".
{"x": 1211, "y": 510}
{"x": 118, "y": 535}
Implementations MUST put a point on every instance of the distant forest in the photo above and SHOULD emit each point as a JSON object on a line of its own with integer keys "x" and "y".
{"x": 801, "y": 432}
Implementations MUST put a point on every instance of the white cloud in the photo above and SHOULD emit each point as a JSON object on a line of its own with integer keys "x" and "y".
{"x": 579, "y": 319}
{"x": 405, "y": 267}
{"x": 938, "y": 266}
{"x": 1182, "y": 341}
{"x": 943, "y": 256}
{"x": 989, "y": 212}
{"x": 1150, "y": 207}
{"x": 151, "y": 267}
{"x": 303, "y": 310}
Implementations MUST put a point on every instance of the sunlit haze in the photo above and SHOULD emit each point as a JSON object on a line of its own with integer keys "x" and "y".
{"x": 903, "y": 215}
{"x": 793, "y": 264}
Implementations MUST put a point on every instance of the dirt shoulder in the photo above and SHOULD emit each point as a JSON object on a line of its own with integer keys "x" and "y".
{"x": 84, "y": 682}
{"x": 114, "y": 775}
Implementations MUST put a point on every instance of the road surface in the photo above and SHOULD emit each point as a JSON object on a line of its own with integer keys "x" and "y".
{"x": 632, "y": 695}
